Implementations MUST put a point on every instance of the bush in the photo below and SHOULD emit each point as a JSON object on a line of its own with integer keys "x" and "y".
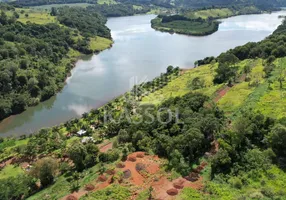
{"x": 236, "y": 182}
{"x": 140, "y": 166}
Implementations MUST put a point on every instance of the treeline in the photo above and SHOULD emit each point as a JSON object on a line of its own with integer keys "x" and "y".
{"x": 160, "y": 3}
{"x": 88, "y": 23}
{"x": 117, "y": 10}
{"x": 262, "y": 4}
{"x": 171, "y": 18}
{"x": 30, "y": 58}
{"x": 48, "y": 2}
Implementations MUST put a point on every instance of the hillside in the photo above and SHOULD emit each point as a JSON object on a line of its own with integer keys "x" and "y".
{"x": 224, "y": 139}
{"x": 217, "y": 131}
{"x": 38, "y": 52}
{"x": 262, "y": 4}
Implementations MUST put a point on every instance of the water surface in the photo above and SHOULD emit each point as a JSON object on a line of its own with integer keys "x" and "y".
{"x": 138, "y": 51}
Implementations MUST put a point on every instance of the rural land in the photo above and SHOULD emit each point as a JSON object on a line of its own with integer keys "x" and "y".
{"x": 214, "y": 131}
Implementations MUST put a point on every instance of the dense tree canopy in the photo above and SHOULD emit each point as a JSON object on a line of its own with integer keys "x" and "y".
{"x": 34, "y": 61}
{"x": 88, "y": 23}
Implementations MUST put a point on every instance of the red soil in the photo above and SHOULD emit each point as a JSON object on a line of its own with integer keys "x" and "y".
{"x": 102, "y": 178}
{"x": 151, "y": 176}
{"x": 140, "y": 155}
{"x": 110, "y": 172}
{"x": 120, "y": 165}
{"x": 105, "y": 147}
{"x": 172, "y": 192}
{"x": 221, "y": 93}
{"x": 89, "y": 187}
{"x": 71, "y": 197}
{"x": 131, "y": 158}
{"x": 136, "y": 178}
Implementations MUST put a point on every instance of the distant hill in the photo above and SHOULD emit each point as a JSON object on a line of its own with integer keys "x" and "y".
{"x": 208, "y": 3}
{"x": 263, "y": 4}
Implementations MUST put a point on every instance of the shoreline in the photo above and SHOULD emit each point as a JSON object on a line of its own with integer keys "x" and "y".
{"x": 73, "y": 62}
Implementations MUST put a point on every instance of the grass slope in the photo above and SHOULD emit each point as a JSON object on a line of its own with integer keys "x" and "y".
{"x": 35, "y": 16}
{"x": 10, "y": 171}
{"x": 99, "y": 44}
{"x": 49, "y": 7}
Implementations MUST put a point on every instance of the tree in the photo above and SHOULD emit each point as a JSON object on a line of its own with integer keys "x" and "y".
{"x": 77, "y": 153}
{"x": 19, "y": 103}
{"x": 45, "y": 169}
{"x": 19, "y": 187}
{"x": 277, "y": 140}
{"x": 224, "y": 73}
{"x": 170, "y": 69}
{"x": 3, "y": 18}
{"x": 228, "y": 59}
{"x": 196, "y": 83}
{"x": 177, "y": 162}
{"x": 54, "y": 11}
{"x": 92, "y": 154}
{"x": 221, "y": 162}
{"x": 123, "y": 136}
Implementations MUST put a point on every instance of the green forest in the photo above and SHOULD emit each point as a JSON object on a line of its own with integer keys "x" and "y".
{"x": 37, "y": 58}
{"x": 217, "y": 131}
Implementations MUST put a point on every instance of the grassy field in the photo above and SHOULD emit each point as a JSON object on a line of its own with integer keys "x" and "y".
{"x": 35, "y": 16}
{"x": 63, "y": 185}
{"x": 114, "y": 191}
{"x": 106, "y": 2}
{"x": 179, "y": 86}
{"x": 99, "y": 43}
{"x": 235, "y": 97}
{"x": 239, "y": 93}
{"x": 215, "y": 13}
{"x": 219, "y": 13}
{"x": 49, "y": 7}
{"x": 10, "y": 171}
{"x": 275, "y": 97}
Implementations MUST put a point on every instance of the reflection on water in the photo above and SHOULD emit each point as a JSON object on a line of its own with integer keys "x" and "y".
{"x": 138, "y": 51}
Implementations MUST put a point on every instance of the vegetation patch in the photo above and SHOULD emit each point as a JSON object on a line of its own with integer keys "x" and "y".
{"x": 10, "y": 171}
{"x": 112, "y": 192}
{"x": 99, "y": 44}
{"x": 183, "y": 25}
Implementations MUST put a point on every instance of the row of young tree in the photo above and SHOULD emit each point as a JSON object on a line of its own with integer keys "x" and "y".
{"x": 30, "y": 56}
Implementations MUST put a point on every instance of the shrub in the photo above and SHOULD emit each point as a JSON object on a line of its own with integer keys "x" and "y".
{"x": 140, "y": 166}
{"x": 236, "y": 182}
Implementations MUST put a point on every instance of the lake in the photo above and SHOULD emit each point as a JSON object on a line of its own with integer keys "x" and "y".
{"x": 139, "y": 53}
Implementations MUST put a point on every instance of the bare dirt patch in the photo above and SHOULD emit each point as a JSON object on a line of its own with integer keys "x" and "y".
{"x": 172, "y": 192}
{"x": 102, "y": 178}
{"x": 221, "y": 93}
{"x": 89, "y": 187}
{"x": 106, "y": 147}
{"x": 71, "y": 197}
{"x": 120, "y": 165}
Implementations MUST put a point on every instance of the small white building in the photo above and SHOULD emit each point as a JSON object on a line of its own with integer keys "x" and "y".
{"x": 87, "y": 140}
{"x": 81, "y": 132}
